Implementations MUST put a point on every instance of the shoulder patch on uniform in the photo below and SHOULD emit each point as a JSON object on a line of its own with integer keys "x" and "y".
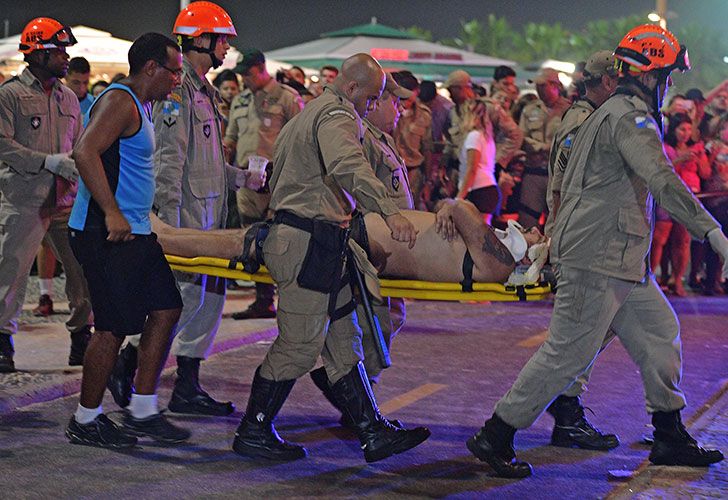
{"x": 336, "y": 112}
{"x": 175, "y": 96}
{"x": 170, "y": 108}
{"x": 643, "y": 122}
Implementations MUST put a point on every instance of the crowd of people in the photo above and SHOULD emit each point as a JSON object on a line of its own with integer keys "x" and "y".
{"x": 169, "y": 160}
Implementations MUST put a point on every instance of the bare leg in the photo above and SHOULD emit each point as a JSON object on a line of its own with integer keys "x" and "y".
{"x": 97, "y": 365}
{"x": 154, "y": 348}
{"x": 493, "y": 262}
{"x": 659, "y": 238}
{"x": 680, "y": 253}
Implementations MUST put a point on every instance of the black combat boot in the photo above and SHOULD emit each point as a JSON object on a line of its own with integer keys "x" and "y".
{"x": 571, "y": 428}
{"x": 121, "y": 381}
{"x": 379, "y": 438}
{"x": 493, "y": 443}
{"x": 674, "y": 446}
{"x": 189, "y": 397}
{"x": 256, "y": 436}
{"x": 321, "y": 380}
{"x": 7, "y": 365}
{"x": 79, "y": 342}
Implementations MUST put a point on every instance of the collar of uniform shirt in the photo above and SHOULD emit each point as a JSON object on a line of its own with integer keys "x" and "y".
{"x": 373, "y": 128}
{"x": 29, "y": 79}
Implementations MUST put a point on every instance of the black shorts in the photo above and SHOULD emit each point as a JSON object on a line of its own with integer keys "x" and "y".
{"x": 126, "y": 281}
{"x": 486, "y": 199}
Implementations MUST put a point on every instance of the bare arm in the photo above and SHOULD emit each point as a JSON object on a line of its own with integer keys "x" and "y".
{"x": 473, "y": 158}
{"x": 114, "y": 116}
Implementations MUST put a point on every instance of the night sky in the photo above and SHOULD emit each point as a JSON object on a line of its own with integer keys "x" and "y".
{"x": 271, "y": 24}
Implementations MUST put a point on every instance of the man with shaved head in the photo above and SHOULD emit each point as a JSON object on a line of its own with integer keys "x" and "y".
{"x": 319, "y": 176}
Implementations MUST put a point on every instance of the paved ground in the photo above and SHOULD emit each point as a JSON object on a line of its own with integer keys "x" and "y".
{"x": 451, "y": 364}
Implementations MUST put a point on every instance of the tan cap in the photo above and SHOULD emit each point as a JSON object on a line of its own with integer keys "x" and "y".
{"x": 599, "y": 63}
{"x": 546, "y": 75}
{"x": 457, "y": 78}
{"x": 393, "y": 88}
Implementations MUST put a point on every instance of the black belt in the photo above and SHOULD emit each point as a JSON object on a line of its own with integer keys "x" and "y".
{"x": 293, "y": 220}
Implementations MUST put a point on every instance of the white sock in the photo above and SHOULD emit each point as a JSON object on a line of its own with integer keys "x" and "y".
{"x": 143, "y": 405}
{"x": 46, "y": 287}
{"x": 85, "y": 415}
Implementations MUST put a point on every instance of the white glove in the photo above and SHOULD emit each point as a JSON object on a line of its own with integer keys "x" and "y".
{"x": 720, "y": 244}
{"x": 63, "y": 165}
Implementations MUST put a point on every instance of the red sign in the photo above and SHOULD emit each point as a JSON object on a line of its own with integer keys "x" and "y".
{"x": 389, "y": 54}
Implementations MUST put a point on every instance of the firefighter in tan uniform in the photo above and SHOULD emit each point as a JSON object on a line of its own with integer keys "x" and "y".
{"x": 380, "y": 151}
{"x": 413, "y": 136}
{"x": 40, "y": 122}
{"x": 320, "y": 175}
{"x": 192, "y": 181}
{"x": 601, "y": 243}
{"x": 539, "y": 122}
{"x": 257, "y": 116}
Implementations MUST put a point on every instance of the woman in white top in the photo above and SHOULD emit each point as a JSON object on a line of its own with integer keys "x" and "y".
{"x": 477, "y": 182}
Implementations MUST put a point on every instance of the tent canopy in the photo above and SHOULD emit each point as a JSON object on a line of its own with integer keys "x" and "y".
{"x": 394, "y": 49}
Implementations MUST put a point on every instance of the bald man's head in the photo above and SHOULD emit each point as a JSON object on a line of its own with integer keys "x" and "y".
{"x": 361, "y": 80}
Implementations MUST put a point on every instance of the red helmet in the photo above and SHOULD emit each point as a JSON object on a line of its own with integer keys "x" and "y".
{"x": 43, "y": 33}
{"x": 199, "y": 18}
{"x": 650, "y": 47}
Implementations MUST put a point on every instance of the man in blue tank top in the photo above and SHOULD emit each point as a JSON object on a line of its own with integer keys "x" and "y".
{"x": 131, "y": 285}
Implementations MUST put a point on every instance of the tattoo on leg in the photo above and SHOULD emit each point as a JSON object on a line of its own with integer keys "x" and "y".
{"x": 494, "y": 247}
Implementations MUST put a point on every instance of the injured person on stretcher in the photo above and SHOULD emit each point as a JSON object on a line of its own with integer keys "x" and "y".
{"x": 451, "y": 244}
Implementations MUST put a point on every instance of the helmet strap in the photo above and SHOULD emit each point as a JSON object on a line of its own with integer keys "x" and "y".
{"x": 187, "y": 44}
{"x": 653, "y": 93}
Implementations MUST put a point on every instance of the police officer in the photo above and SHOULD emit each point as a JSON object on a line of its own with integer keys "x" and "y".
{"x": 257, "y": 116}
{"x": 40, "y": 122}
{"x": 539, "y": 121}
{"x": 192, "y": 182}
{"x": 600, "y": 244}
{"x": 413, "y": 136}
{"x": 380, "y": 151}
{"x": 319, "y": 175}
{"x": 571, "y": 426}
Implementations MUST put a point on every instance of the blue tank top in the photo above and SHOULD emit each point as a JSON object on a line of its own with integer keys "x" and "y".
{"x": 128, "y": 165}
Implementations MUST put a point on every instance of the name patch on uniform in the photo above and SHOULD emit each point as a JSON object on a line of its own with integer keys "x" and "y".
{"x": 643, "y": 122}
{"x": 35, "y": 122}
{"x": 344, "y": 112}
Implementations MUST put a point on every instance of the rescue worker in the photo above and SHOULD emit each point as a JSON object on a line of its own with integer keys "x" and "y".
{"x": 380, "y": 151}
{"x": 539, "y": 121}
{"x": 319, "y": 176}
{"x": 40, "y": 122}
{"x": 257, "y": 116}
{"x": 571, "y": 427}
{"x": 192, "y": 182}
{"x": 600, "y": 244}
{"x": 413, "y": 136}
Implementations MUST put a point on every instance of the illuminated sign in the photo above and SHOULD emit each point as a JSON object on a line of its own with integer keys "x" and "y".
{"x": 390, "y": 54}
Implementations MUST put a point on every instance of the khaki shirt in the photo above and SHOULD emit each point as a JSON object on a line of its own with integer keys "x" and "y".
{"x": 507, "y": 134}
{"x": 319, "y": 167}
{"x": 256, "y": 120}
{"x": 413, "y": 135}
{"x": 539, "y": 124}
{"x": 189, "y": 164}
{"x": 616, "y": 166}
{"x": 381, "y": 152}
{"x": 33, "y": 125}
{"x": 560, "y": 150}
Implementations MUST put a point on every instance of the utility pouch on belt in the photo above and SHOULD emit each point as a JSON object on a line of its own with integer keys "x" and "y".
{"x": 324, "y": 261}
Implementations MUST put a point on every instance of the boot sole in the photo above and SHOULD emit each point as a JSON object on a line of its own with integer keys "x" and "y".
{"x": 245, "y": 450}
{"x": 158, "y": 439}
{"x": 573, "y": 444}
{"x": 197, "y": 410}
{"x": 493, "y": 461}
{"x": 400, "y": 447}
{"x": 75, "y": 439}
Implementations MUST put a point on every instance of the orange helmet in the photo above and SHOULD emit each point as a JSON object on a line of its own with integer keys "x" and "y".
{"x": 650, "y": 47}
{"x": 43, "y": 33}
{"x": 202, "y": 17}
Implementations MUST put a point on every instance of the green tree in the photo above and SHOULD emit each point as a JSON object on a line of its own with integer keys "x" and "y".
{"x": 419, "y": 32}
{"x": 541, "y": 41}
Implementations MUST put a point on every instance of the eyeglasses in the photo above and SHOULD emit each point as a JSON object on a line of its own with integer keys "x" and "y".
{"x": 176, "y": 72}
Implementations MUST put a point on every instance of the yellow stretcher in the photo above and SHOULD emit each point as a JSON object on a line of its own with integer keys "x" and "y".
{"x": 426, "y": 290}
